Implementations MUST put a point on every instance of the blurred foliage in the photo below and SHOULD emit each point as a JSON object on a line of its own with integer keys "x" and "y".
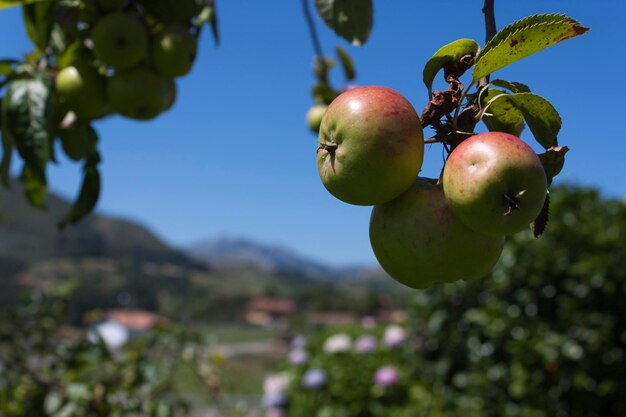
{"x": 50, "y": 369}
{"x": 544, "y": 336}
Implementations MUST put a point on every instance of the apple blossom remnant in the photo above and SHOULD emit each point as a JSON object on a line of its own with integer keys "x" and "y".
{"x": 314, "y": 378}
{"x": 337, "y": 343}
{"x": 394, "y": 336}
{"x": 386, "y": 376}
{"x": 365, "y": 343}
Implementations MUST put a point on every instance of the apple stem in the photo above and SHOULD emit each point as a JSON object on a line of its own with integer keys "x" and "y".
{"x": 317, "y": 45}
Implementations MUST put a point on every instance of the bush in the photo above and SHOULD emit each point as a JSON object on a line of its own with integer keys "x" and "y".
{"x": 544, "y": 336}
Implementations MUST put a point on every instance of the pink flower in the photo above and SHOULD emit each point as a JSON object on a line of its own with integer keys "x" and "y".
{"x": 386, "y": 376}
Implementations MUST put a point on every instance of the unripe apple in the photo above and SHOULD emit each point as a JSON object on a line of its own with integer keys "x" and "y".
{"x": 419, "y": 241}
{"x": 174, "y": 51}
{"x": 78, "y": 141}
{"x": 371, "y": 146}
{"x": 495, "y": 183}
{"x": 120, "y": 39}
{"x": 83, "y": 89}
{"x": 314, "y": 117}
{"x": 138, "y": 93}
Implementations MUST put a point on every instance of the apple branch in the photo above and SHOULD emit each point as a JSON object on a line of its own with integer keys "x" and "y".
{"x": 317, "y": 45}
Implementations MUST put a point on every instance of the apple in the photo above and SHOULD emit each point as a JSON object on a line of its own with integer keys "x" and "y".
{"x": 111, "y": 5}
{"x": 170, "y": 89}
{"x": 83, "y": 89}
{"x": 138, "y": 93}
{"x": 371, "y": 146}
{"x": 120, "y": 40}
{"x": 495, "y": 183}
{"x": 78, "y": 141}
{"x": 314, "y": 117}
{"x": 418, "y": 240}
{"x": 174, "y": 51}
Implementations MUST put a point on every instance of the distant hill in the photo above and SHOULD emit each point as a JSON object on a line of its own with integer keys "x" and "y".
{"x": 236, "y": 251}
{"x": 120, "y": 263}
{"x": 28, "y": 234}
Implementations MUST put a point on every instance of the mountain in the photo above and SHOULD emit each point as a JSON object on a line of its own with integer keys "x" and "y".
{"x": 228, "y": 251}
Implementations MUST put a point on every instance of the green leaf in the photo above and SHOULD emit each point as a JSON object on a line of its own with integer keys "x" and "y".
{"x": 7, "y": 66}
{"x": 89, "y": 193}
{"x": 39, "y": 19}
{"x": 25, "y": 108}
{"x": 4, "y": 4}
{"x": 524, "y": 38}
{"x": 512, "y": 86}
{"x": 36, "y": 190}
{"x": 447, "y": 53}
{"x": 502, "y": 115}
{"x": 553, "y": 160}
{"x": 541, "y": 117}
{"x": 350, "y": 19}
{"x": 346, "y": 63}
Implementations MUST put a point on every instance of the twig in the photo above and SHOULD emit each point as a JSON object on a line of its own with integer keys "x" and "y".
{"x": 317, "y": 46}
{"x": 490, "y": 31}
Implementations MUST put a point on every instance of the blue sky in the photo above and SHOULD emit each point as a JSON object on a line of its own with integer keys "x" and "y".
{"x": 234, "y": 157}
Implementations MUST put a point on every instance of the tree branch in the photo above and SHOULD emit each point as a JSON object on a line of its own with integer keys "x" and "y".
{"x": 317, "y": 45}
{"x": 490, "y": 31}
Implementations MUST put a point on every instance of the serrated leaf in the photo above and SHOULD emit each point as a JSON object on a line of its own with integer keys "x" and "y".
{"x": 36, "y": 190}
{"x": 4, "y": 4}
{"x": 89, "y": 193}
{"x": 39, "y": 19}
{"x": 512, "y": 86}
{"x": 346, "y": 63}
{"x": 524, "y": 38}
{"x": 350, "y": 19}
{"x": 447, "y": 53}
{"x": 502, "y": 115}
{"x": 553, "y": 160}
{"x": 25, "y": 107}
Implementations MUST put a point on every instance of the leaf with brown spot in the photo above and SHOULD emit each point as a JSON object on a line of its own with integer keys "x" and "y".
{"x": 524, "y": 38}
{"x": 538, "y": 226}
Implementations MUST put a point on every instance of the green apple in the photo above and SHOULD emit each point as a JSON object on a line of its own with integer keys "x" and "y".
{"x": 120, "y": 40}
{"x": 111, "y": 5}
{"x": 174, "y": 50}
{"x": 419, "y": 241}
{"x": 138, "y": 93}
{"x": 314, "y": 117}
{"x": 371, "y": 146}
{"x": 495, "y": 183}
{"x": 78, "y": 141}
{"x": 83, "y": 89}
{"x": 170, "y": 89}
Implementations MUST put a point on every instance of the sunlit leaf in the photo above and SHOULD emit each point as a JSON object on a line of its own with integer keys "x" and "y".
{"x": 12, "y": 3}
{"x": 346, "y": 63}
{"x": 89, "y": 193}
{"x": 512, "y": 86}
{"x": 447, "y": 53}
{"x": 524, "y": 38}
